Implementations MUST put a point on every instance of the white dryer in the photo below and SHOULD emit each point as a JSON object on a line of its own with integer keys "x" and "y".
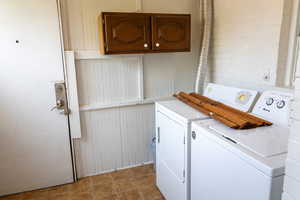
{"x": 173, "y": 128}
{"x": 228, "y": 164}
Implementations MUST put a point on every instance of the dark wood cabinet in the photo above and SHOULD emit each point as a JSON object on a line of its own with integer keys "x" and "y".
{"x": 171, "y": 32}
{"x": 144, "y": 33}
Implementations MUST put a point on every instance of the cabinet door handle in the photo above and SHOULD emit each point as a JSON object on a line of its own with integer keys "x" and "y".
{"x": 146, "y": 45}
{"x": 158, "y": 134}
{"x": 157, "y": 44}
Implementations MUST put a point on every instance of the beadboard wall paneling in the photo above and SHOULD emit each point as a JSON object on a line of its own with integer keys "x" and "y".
{"x": 104, "y": 81}
{"x": 80, "y": 18}
{"x": 115, "y": 138}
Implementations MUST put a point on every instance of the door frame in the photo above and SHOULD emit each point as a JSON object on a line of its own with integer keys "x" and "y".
{"x": 293, "y": 46}
{"x": 61, "y": 36}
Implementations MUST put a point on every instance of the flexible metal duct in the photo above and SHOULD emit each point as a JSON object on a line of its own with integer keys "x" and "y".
{"x": 206, "y": 8}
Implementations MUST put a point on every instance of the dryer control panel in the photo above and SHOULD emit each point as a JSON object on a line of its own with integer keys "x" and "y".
{"x": 241, "y": 99}
{"x": 274, "y": 106}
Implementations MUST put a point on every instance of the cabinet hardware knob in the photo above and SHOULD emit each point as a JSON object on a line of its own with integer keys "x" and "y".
{"x": 146, "y": 45}
{"x": 157, "y": 44}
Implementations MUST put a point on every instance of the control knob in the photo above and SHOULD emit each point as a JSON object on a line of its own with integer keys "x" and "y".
{"x": 280, "y": 104}
{"x": 270, "y": 101}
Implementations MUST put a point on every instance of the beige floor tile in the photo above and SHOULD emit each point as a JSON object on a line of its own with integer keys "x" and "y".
{"x": 124, "y": 185}
{"x": 131, "y": 195}
{"x": 83, "y": 185}
{"x": 59, "y": 192}
{"x": 60, "y": 189}
{"x": 111, "y": 197}
{"x": 13, "y": 197}
{"x": 103, "y": 179}
{"x": 151, "y": 193}
{"x": 36, "y": 195}
{"x": 62, "y": 196}
{"x": 101, "y": 191}
{"x": 130, "y": 184}
{"x": 142, "y": 171}
{"x": 81, "y": 196}
{"x": 143, "y": 181}
{"x": 122, "y": 174}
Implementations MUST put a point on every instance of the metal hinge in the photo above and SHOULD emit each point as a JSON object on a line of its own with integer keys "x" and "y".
{"x": 184, "y": 140}
{"x": 158, "y": 134}
{"x": 183, "y": 173}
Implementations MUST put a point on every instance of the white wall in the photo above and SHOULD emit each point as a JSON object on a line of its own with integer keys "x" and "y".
{"x": 120, "y": 137}
{"x": 292, "y": 178}
{"x": 250, "y": 41}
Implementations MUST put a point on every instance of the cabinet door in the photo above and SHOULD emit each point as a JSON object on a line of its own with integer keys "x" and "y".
{"x": 171, "y": 32}
{"x": 126, "y": 33}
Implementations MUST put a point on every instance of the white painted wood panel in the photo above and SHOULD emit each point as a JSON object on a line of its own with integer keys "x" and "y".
{"x": 82, "y": 19}
{"x": 109, "y": 81}
{"x": 292, "y": 178}
{"x": 71, "y": 84}
{"x": 115, "y": 138}
{"x": 297, "y": 62}
{"x": 291, "y": 187}
{"x": 137, "y": 131}
{"x": 285, "y": 196}
{"x": 100, "y": 146}
{"x": 90, "y": 54}
{"x": 297, "y": 86}
{"x": 294, "y": 151}
{"x": 295, "y": 130}
{"x": 295, "y": 107}
{"x": 293, "y": 169}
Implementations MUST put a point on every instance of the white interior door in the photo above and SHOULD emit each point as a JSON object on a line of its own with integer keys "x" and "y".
{"x": 34, "y": 141}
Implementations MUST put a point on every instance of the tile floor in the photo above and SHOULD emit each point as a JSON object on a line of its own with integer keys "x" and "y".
{"x": 130, "y": 184}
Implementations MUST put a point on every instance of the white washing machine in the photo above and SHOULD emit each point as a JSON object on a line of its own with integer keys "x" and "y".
{"x": 228, "y": 164}
{"x": 173, "y": 128}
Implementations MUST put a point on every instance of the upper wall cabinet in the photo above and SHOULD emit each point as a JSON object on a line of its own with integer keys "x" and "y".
{"x": 144, "y": 33}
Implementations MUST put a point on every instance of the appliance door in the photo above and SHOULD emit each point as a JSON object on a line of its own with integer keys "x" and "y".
{"x": 171, "y": 158}
{"x": 217, "y": 173}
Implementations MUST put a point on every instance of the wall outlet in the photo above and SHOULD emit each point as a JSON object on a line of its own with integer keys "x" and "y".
{"x": 267, "y": 76}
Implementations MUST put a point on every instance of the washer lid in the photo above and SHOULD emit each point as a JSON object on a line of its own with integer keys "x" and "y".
{"x": 264, "y": 141}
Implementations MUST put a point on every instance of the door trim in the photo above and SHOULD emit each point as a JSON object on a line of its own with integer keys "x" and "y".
{"x": 72, "y": 146}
